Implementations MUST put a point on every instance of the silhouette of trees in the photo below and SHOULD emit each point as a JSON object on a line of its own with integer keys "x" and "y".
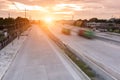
{"x": 11, "y": 28}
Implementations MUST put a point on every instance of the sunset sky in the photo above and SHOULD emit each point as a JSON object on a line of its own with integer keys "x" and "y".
{"x": 61, "y": 9}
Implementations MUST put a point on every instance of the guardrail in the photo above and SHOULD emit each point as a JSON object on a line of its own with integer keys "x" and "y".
{"x": 10, "y": 38}
{"x": 112, "y": 33}
{"x": 6, "y": 41}
{"x": 107, "y": 39}
{"x": 84, "y": 76}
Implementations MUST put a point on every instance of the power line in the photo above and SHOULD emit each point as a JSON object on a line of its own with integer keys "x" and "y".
{"x": 15, "y": 5}
{"x": 25, "y": 12}
{"x": 19, "y": 9}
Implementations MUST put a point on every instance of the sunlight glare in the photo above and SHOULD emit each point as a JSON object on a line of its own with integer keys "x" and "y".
{"x": 48, "y": 19}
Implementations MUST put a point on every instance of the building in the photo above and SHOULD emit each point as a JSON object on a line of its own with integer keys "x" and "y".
{"x": 100, "y": 25}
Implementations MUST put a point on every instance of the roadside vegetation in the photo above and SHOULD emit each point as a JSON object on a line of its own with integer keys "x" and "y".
{"x": 11, "y": 28}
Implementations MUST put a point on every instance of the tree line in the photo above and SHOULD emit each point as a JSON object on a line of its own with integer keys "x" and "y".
{"x": 10, "y": 28}
{"x": 111, "y": 25}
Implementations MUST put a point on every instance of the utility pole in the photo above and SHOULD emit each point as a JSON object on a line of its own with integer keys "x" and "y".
{"x": 9, "y": 15}
{"x": 20, "y": 10}
{"x": 25, "y": 12}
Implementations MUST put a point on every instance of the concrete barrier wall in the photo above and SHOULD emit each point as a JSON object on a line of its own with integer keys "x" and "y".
{"x": 107, "y": 39}
{"x": 84, "y": 76}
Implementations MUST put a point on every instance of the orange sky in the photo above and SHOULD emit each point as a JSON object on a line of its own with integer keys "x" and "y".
{"x": 60, "y": 9}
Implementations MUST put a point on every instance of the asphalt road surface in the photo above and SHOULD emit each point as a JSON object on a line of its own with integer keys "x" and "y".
{"x": 106, "y": 55}
{"x": 39, "y": 60}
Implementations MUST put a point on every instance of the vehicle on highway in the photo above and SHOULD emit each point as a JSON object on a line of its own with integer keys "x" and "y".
{"x": 86, "y": 33}
{"x": 66, "y": 31}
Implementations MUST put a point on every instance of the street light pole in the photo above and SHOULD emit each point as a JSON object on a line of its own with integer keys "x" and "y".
{"x": 19, "y": 9}
{"x": 25, "y": 13}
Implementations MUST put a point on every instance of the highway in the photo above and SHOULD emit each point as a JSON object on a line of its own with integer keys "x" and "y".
{"x": 38, "y": 59}
{"x": 105, "y": 55}
{"x": 109, "y": 37}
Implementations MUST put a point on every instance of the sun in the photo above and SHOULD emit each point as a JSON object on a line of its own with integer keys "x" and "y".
{"x": 48, "y": 19}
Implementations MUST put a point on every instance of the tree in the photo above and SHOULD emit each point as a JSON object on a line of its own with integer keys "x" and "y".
{"x": 1, "y": 21}
{"x": 9, "y": 21}
{"x": 93, "y": 20}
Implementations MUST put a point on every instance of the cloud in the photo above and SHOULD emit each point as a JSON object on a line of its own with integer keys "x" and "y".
{"x": 67, "y": 6}
{"x": 36, "y": 2}
{"x": 63, "y": 13}
{"x": 4, "y": 4}
{"x": 80, "y": 8}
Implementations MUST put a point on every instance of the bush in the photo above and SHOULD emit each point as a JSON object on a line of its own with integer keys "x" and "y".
{"x": 116, "y": 31}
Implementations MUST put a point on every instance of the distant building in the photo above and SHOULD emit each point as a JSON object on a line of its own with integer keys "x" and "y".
{"x": 117, "y": 25}
{"x": 102, "y": 25}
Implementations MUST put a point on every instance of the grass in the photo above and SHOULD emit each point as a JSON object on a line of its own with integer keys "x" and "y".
{"x": 85, "y": 68}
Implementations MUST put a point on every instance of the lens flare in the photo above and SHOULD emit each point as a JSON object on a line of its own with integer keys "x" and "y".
{"x": 48, "y": 19}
